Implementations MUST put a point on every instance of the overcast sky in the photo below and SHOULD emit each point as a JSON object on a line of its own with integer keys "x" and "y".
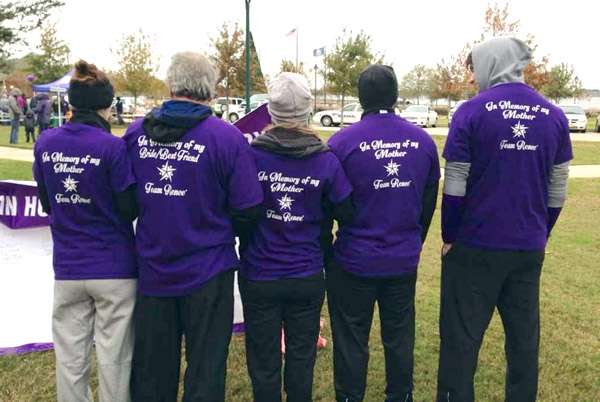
{"x": 405, "y": 32}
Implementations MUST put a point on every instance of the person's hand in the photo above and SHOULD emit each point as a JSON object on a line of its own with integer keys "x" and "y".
{"x": 446, "y": 248}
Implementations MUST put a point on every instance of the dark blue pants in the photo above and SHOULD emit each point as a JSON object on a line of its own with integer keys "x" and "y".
{"x": 14, "y": 130}
{"x": 205, "y": 319}
{"x": 294, "y": 304}
{"x": 474, "y": 283}
{"x": 351, "y": 301}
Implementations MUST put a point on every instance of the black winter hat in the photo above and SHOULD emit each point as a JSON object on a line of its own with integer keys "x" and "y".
{"x": 89, "y": 89}
{"x": 377, "y": 87}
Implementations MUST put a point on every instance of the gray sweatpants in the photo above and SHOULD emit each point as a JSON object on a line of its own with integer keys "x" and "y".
{"x": 87, "y": 311}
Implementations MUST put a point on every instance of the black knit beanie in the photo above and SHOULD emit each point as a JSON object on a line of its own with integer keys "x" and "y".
{"x": 377, "y": 87}
{"x": 87, "y": 91}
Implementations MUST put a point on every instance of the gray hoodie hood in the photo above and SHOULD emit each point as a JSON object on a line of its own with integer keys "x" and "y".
{"x": 500, "y": 61}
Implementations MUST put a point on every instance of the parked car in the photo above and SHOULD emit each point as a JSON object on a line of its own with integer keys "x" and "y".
{"x": 421, "y": 115}
{"x": 219, "y": 106}
{"x": 259, "y": 99}
{"x": 576, "y": 117}
{"x": 352, "y": 114}
{"x": 327, "y": 118}
{"x": 254, "y": 104}
{"x": 5, "y": 118}
{"x": 453, "y": 110}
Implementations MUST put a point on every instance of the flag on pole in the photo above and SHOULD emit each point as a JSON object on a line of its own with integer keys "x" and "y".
{"x": 319, "y": 52}
{"x": 292, "y": 32}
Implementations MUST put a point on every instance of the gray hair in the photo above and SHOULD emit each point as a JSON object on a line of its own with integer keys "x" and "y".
{"x": 191, "y": 75}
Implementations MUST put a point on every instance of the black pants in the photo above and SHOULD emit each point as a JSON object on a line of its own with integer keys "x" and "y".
{"x": 30, "y": 133}
{"x": 351, "y": 301}
{"x": 474, "y": 283}
{"x": 42, "y": 127}
{"x": 205, "y": 318}
{"x": 296, "y": 305}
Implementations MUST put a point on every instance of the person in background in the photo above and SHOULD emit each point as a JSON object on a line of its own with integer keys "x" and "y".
{"x": 22, "y": 102}
{"x": 65, "y": 110}
{"x": 29, "y": 123}
{"x": 507, "y": 164}
{"x": 394, "y": 170}
{"x": 43, "y": 111}
{"x": 196, "y": 177}
{"x": 282, "y": 282}
{"x": 119, "y": 110}
{"x": 86, "y": 185}
{"x": 33, "y": 101}
{"x": 15, "y": 113}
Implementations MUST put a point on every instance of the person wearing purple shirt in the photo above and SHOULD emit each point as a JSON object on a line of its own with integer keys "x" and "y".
{"x": 282, "y": 283}
{"x": 86, "y": 185}
{"x": 507, "y": 163}
{"x": 394, "y": 170}
{"x": 196, "y": 177}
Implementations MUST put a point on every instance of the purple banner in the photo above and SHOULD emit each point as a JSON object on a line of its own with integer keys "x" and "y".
{"x": 254, "y": 122}
{"x": 20, "y": 206}
{"x": 238, "y": 328}
{"x": 29, "y": 348}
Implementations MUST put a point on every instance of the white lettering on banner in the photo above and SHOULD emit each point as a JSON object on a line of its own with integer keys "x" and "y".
{"x": 33, "y": 207}
{"x": 8, "y": 205}
{"x": 30, "y": 205}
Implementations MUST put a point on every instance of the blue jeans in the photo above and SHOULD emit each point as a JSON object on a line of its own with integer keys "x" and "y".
{"x": 14, "y": 130}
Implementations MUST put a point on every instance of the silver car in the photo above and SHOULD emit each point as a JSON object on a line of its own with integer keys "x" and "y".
{"x": 576, "y": 117}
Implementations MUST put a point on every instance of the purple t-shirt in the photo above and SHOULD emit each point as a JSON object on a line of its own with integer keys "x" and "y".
{"x": 512, "y": 137}
{"x": 389, "y": 162}
{"x": 82, "y": 167}
{"x": 185, "y": 191}
{"x": 285, "y": 243}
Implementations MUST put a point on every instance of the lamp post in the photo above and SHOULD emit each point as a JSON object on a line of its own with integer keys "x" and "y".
{"x": 247, "y": 56}
{"x": 316, "y": 69}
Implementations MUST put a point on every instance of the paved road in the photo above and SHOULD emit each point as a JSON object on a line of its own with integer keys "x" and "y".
{"x": 16, "y": 154}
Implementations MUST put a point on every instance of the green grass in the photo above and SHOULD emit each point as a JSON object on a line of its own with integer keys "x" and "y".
{"x": 570, "y": 347}
{"x": 15, "y": 170}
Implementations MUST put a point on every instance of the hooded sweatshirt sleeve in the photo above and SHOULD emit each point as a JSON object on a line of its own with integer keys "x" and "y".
{"x": 457, "y": 154}
{"x": 430, "y": 195}
{"x": 559, "y": 176}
